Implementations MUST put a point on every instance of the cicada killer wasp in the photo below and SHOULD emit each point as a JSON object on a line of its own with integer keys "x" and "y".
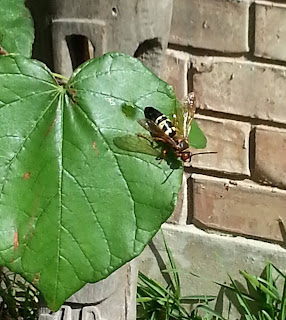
{"x": 174, "y": 134}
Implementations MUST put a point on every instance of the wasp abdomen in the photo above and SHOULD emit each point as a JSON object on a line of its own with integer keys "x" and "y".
{"x": 162, "y": 121}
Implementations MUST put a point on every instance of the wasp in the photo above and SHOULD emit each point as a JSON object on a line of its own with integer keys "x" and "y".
{"x": 163, "y": 129}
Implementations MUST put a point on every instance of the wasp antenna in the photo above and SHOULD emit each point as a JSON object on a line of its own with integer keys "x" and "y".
{"x": 206, "y": 152}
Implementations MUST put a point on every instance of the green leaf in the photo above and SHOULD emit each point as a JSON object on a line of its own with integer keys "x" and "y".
{"x": 258, "y": 284}
{"x": 73, "y": 206}
{"x": 282, "y": 313}
{"x": 210, "y": 311}
{"x": 175, "y": 282}
{"x": 16, "y": 27}
{"x": 242, "y": 300}
{"x": 196, "y": 137}
{"x": 134, "y": 143}
{"x": 197, "y": 298}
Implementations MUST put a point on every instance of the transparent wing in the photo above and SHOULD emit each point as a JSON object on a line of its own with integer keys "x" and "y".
{"x": 134, "y": 143}
{"x": 156, "y": 132}
{"x": 185, "y": 114}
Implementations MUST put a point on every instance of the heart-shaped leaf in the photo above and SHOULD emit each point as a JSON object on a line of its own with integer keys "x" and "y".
{"x": 16, "y": 27}
{"x": 73, "y": 206}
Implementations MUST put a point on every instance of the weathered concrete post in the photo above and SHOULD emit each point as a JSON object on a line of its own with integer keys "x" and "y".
{"x": 76, "y": 31}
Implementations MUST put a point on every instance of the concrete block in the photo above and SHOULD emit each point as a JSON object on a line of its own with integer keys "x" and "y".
{"x": 175, "y": 70}
{"x": 210, "y": 256}
{"x": 114, "y": 298}
{"x": 94, "y": 30}
{"x": 219, "y": 25}
{"x": 139, "y": 28}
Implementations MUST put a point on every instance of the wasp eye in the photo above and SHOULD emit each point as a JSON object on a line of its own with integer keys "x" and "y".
{"x": 183, "y": 145}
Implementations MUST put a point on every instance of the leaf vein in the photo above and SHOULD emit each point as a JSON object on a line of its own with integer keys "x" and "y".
{"x": 30, "y": 77}
{"x": 117, "y": 163}
{"x": 26, "y": 97}
{"x": 81, "y": 249}
{"x": 4, "y": 180}
{"x": 92, "y": 209}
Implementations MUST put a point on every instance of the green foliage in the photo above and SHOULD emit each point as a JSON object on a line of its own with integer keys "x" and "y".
{"x": 18, "y": 298}
{"x": 158, "y": 302}
{"x": 61, "y": 172}
{"x": 74, "y": 204}
{"x": 16, "y": 27}
{"x": 265, "y": 298}
{"x": 196, "y": 137}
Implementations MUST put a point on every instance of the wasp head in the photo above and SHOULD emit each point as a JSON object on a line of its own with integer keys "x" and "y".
{"x": 186, "y": 156}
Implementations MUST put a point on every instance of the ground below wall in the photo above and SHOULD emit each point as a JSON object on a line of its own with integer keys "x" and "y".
{"x": 211, "y": 256}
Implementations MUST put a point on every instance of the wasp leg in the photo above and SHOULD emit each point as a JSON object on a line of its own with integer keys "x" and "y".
{"x": 146, "y": 138}
{"x": 163, "y": 156}
{"x": 159, "y": 139}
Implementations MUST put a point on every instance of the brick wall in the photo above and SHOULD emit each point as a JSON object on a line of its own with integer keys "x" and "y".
{"x": 231, "y": 213}
{"x": 233, "y": 55}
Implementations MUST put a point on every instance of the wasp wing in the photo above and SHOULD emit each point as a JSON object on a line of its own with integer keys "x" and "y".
{"x": 185, "y": 113}
{"x": 135, "y": 143}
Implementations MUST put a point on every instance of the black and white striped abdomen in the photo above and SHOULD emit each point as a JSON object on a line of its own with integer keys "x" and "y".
{"x": 162, "y": 121}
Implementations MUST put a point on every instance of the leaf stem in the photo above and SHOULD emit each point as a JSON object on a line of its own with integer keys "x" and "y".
{"x": 57, "y": 75}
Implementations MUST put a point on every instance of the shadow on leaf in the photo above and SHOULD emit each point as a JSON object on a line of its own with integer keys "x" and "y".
{"x": 137, "y": 144}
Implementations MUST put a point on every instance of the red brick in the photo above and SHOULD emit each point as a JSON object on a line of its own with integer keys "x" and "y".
{"x": 238, "y": 207}
{"x": 270, "y": 156}
{"x": 230, "y": 139}
{"x": 219, "y": 25}
{"x": 176, "y": 67}
{"x": 270, "y": 30}
{"x": 240, "y": 87}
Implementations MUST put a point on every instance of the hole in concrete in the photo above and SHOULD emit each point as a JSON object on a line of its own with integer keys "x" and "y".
{"x": 114, "y": 12}
{"x": 150, "y": 53}
{"x": 148, "y": 46}
{"x": 80, "y": 48}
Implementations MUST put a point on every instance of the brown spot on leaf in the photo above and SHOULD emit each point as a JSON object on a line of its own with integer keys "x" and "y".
{"x": 36, "y": 278}
{"x": 94, "y": 147}
{"x": 50, "y": 127}
{"x": 73, "y": 95}
{"x": 3, "y": 52}
{"x": 16, "y": 241}
{"x": 27, "y": 176}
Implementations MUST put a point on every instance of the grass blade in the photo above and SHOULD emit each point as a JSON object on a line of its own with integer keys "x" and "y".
{"x": 282, "y": 314}
{"x": 242, "y": 300}
{"x": 176, "y": 284}
{"x": 257, "y": 284}
{"x": 210, "y": 311}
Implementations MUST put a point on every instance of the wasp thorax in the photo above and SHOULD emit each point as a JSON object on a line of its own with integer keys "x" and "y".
{"x": 183, "y": 144}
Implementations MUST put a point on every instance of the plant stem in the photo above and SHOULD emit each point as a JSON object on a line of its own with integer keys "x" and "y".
{"x": 57, "y": 75}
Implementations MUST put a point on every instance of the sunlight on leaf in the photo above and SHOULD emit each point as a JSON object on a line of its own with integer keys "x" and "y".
{"x": 16, "y": 27}
{"x": 73, "y": 206}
